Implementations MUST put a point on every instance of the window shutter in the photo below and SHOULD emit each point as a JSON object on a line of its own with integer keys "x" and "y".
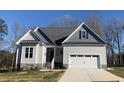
{"x": 79, "y": 34}
{"x": 86, "y": 35}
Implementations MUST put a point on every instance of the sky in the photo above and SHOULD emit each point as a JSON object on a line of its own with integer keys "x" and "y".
{"x": 28, "y": 18}
{"x": 43, "y": 18}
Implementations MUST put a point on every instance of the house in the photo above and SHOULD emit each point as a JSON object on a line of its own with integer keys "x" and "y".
{"x": 58, "y": 47}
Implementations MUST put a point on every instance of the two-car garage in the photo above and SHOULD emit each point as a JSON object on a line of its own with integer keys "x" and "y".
{"x": 84, "y": 57}
{"x": 83, "y": 61}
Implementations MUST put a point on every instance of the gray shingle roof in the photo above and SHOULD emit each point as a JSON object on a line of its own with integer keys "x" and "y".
{"x": 57, "y": 33}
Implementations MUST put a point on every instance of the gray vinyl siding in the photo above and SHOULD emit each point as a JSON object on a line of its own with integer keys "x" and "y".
{"x": 59, "y": 55}
{"x": 75, "y": 37}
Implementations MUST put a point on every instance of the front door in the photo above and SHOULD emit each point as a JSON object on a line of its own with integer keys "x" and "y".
{"x": 49, "y": 56}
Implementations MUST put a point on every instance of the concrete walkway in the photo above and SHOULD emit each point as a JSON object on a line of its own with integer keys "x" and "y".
{"x": 89, "y": 75}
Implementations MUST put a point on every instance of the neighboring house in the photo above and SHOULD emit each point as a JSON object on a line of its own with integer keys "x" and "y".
{"x": 59, "y": 47}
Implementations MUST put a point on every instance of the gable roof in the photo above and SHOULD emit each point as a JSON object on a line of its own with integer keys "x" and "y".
{"x": 42, "y": 36}
{"x": 100, "y": 39}
{"x": 22, "y": 36}
{"x": 89, "y": 30}
{"x": 57, "y": 35}
{"x": 37, "y": 34}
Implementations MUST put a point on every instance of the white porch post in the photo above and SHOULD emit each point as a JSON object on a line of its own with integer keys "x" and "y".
{"x": 17, "y": 55}
{"x": 36, "y": 54}
{"x": 52, "y": 65}
{"x": 43, "y": 55}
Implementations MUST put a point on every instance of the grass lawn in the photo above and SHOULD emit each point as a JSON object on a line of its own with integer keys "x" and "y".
{"x": 119, "y": 71}
{"x": 31, "y": 75}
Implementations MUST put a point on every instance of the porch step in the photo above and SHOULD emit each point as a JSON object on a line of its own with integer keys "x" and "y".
{"x": 45, "y": 70}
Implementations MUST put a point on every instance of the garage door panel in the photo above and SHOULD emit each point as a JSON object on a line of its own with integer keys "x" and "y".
{"x": 83, "y": 61}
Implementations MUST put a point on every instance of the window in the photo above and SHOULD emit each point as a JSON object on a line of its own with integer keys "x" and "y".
{"x": 79, "y": 34}
{"x": 31, "y": 52}
{"x": 61, "y": 52}
{"x": 26, "y": 52}
{"x": 87, "y": 55}
{"x": 73, "y": 55}
{"x": 95, "y": 56}
{"x": 83, "y": 34}
{"x": 80, "y": 55}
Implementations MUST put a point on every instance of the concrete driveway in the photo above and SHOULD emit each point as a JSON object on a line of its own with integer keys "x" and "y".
{"x": 88, "y": 75}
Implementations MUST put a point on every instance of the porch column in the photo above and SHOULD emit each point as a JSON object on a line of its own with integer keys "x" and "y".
{"x": 53, "y": 61}
{"x": 17, "y": 56}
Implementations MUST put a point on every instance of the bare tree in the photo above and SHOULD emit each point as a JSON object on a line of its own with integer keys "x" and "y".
{"x": 110, "y": 39}
{"x": 94, "y": 22}
{"x": 113, "y": 35}
{"x": 65, "y": 21}
{"x": 118, "y": 25}
{"x": 16, "y": 33}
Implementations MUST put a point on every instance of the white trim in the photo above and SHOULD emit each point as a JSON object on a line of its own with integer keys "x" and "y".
{"x": 41, "y": 35}
{"x": 36, "y": 53}
{"x": 95, "y": 33}
{"x": 59, "y": 46}
{"x": 82, "y": 34}
{"x": 36, "y": 29}
{"x": 43, "y": 55}
{"x": 72, "y": 33}
{"x": 17, "y": 56}
{"x": 52, "y": 63}
{"x": 38, "y": 35}
{"x": 98, "y": 54}
{"x": 77, "y": 30}
{"x": 17, "y": 42}
{"x": 49, "y": 46}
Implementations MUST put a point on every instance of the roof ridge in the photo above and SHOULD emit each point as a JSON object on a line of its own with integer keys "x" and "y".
{"x": 60, "y": 27}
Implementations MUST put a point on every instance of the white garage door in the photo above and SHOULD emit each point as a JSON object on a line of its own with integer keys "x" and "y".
{"x": 83, "y": 61}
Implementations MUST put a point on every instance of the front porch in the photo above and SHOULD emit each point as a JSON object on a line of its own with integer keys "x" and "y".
{"x": 50, "y": 57}
{"x": 44, "y": 57}
{"x": 54, "y": 57}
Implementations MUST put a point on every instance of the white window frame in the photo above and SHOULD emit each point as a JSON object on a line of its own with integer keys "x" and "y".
{"x": 31, "y": 52}
{"x": 27, "y": 52}
{"x": 83, "y": 33}
{"x": 29, "y": 48}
